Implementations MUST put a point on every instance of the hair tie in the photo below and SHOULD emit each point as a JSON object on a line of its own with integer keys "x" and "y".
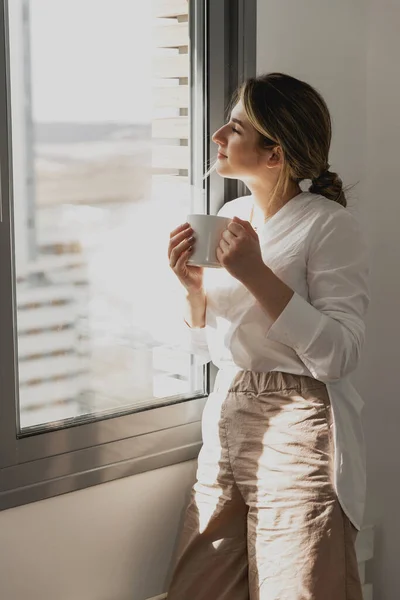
{"x": 323, "y": 173}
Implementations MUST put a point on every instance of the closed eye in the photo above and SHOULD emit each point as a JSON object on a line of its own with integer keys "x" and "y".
{"x": 235, "y": 130}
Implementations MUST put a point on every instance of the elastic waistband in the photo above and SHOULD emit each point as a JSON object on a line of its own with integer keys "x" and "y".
{"x": 238, "y": 380}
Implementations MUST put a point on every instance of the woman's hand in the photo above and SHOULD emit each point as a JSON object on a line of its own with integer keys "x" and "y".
{"x": 179, "y": 249}
{"x": 239, "y": 250}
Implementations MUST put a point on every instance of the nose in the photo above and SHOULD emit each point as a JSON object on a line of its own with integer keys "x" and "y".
{"x": 219, "y": 137}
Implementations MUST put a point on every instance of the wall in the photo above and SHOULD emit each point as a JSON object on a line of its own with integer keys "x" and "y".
{"x": 378, "y": 377}
{"x": 109, "y": 542}
{"x": 323, "y": 42}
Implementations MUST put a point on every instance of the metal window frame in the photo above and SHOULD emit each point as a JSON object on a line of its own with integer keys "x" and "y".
{"x": 54, "y": 462}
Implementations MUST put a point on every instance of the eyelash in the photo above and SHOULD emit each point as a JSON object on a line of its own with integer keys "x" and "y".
{"x": 235, "y": 130}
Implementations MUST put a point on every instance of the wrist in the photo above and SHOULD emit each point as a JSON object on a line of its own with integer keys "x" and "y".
{"x": 269, "y": 290}
{"x": 196, "y": 302}
{"x": 253, "y": 277}
{"x": 195, "y": 294}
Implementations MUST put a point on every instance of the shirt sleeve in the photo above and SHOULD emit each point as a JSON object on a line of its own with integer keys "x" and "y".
{"x": 196, "y": 342}
{"x": 327, "y": 332}
{"x": 196, "y": 338}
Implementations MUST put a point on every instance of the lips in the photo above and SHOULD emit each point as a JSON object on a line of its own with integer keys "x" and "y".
{"x": 220, "y": 155}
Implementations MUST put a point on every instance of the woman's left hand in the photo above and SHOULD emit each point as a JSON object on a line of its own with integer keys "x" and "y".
{"x": 239, "y": 250}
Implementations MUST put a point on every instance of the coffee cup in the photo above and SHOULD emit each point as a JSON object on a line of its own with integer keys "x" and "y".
{"x": 207, "y": 233}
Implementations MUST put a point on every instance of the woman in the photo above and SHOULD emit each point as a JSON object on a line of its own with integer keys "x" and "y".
{"x": 280, "y": 486}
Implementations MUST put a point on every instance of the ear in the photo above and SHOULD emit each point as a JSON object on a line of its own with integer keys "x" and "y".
{"x": 275, "y": 157}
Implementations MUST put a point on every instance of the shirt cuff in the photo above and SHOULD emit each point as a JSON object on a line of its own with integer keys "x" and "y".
{"x": 298, "y": 325}
{"x": 198, "y": 344}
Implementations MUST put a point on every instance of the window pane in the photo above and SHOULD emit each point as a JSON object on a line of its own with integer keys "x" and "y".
{"x": 101, "y": 166}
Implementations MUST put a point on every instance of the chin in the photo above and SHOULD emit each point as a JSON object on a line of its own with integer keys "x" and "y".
{"x": 224, "y": 171}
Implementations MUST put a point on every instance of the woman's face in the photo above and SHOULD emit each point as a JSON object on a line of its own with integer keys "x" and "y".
{"x": 240, "y": 155}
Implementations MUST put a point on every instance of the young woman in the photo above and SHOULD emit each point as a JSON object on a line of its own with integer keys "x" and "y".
{"x": 280, "y": 486}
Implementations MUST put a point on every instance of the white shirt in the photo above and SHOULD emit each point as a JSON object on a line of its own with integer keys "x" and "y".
{"x": 316, "y": 247}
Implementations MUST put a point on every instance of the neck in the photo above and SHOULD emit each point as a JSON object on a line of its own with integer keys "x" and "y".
{"x": 262, "y": 194}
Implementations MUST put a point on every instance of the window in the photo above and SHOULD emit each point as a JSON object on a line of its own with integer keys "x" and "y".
{"x": 106, "y": 111}
{"x": 101, "y": 137}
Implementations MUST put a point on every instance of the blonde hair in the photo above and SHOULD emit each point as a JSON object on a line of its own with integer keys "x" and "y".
{"x": 291, "y": 114}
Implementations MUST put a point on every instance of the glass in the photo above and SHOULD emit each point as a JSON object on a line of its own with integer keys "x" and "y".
{"x": 101, "y": 167}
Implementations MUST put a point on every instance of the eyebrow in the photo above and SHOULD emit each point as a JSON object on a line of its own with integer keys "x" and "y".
{"x": 238, "y": 122}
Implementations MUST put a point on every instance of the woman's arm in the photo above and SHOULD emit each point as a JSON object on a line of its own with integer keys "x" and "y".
{"x": 269, "y": 290}
{"x": 196, "y": 309}
{"x": 194, "y": 324}
{"x": 327, "y": 332}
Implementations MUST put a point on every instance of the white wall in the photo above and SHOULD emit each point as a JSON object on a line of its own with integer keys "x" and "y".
{"x": 378, "y": 377}
{"x": 323, "y": 42}
{"x": 109, "y": 542}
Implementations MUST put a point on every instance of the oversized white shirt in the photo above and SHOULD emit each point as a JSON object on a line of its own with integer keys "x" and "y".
{"x": 316, "y": 247}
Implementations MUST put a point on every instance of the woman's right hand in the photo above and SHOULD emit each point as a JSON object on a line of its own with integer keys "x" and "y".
{"x": 179, "y": 250}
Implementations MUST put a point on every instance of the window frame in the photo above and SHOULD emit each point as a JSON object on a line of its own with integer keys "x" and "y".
{"x": 51, "y": 462}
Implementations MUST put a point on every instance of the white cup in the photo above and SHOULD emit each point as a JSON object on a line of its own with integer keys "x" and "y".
{"x": 207, "y": 233}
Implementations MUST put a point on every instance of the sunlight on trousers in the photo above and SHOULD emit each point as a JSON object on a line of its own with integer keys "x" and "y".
{"x": 264, "y": 521}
